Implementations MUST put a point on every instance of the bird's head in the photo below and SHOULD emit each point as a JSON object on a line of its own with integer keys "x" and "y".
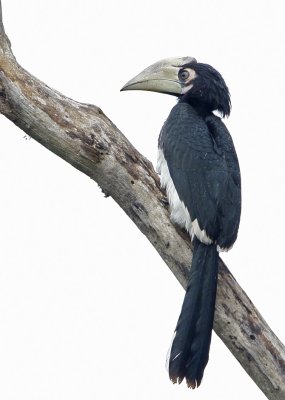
{"x": 195, "y": 83}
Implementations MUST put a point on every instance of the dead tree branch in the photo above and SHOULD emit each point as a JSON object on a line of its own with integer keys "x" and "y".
{"x": 83, "y": 136}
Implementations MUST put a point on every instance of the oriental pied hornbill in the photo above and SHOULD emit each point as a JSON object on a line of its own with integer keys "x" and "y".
{"x": 199, "y": 169}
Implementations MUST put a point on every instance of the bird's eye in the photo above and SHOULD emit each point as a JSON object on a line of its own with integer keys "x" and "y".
{"x": 183, "y": 75}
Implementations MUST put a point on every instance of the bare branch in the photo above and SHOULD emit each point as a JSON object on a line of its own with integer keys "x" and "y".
{"x": 5, "y": 42}
{"x": 83, "y": 136}
{"x": 1, "y": 19}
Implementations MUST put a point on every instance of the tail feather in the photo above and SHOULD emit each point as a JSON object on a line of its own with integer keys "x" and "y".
{"x": 189, "y": 352}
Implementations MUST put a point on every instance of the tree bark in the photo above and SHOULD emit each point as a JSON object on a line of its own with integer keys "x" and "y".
{"x": 83, "y": 136}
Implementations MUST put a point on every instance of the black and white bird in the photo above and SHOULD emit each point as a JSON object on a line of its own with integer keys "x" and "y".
{"x": 199, "y": 169}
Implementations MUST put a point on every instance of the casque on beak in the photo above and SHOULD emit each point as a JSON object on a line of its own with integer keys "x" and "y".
{"x": 160, "y": 77}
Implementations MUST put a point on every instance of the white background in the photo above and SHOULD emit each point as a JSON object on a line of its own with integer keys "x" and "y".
{"x": 87, "y": 307}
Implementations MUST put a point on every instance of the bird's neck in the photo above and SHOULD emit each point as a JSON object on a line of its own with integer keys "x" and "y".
{"x": 201, "y": 107}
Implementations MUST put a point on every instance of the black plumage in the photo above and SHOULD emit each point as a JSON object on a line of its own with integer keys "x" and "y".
{"x": 190, "y": 347}
{"x": 203, "y": 165}
{"x": 199, "y": 170}
{"x": 209, "y": 91}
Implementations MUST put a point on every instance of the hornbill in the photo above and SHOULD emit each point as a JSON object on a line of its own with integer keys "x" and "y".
{"x": 199, "y": 169}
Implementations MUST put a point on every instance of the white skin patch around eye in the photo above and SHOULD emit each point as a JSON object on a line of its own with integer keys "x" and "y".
{"x": 186, "y": 88}
{"x": 187, "y": 85}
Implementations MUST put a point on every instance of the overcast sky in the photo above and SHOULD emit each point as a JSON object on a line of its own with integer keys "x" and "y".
{"x": 87, "y": 307}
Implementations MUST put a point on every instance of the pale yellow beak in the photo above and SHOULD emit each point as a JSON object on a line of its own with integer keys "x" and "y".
{"x": 160, "y": 77}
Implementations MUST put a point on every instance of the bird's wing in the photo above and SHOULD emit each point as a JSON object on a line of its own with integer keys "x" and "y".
{"x": 199, "y": 170}
{"x": 231, "y": 206}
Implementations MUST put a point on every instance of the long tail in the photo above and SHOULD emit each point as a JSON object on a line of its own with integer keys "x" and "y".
{"x": 189, "y": 352}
